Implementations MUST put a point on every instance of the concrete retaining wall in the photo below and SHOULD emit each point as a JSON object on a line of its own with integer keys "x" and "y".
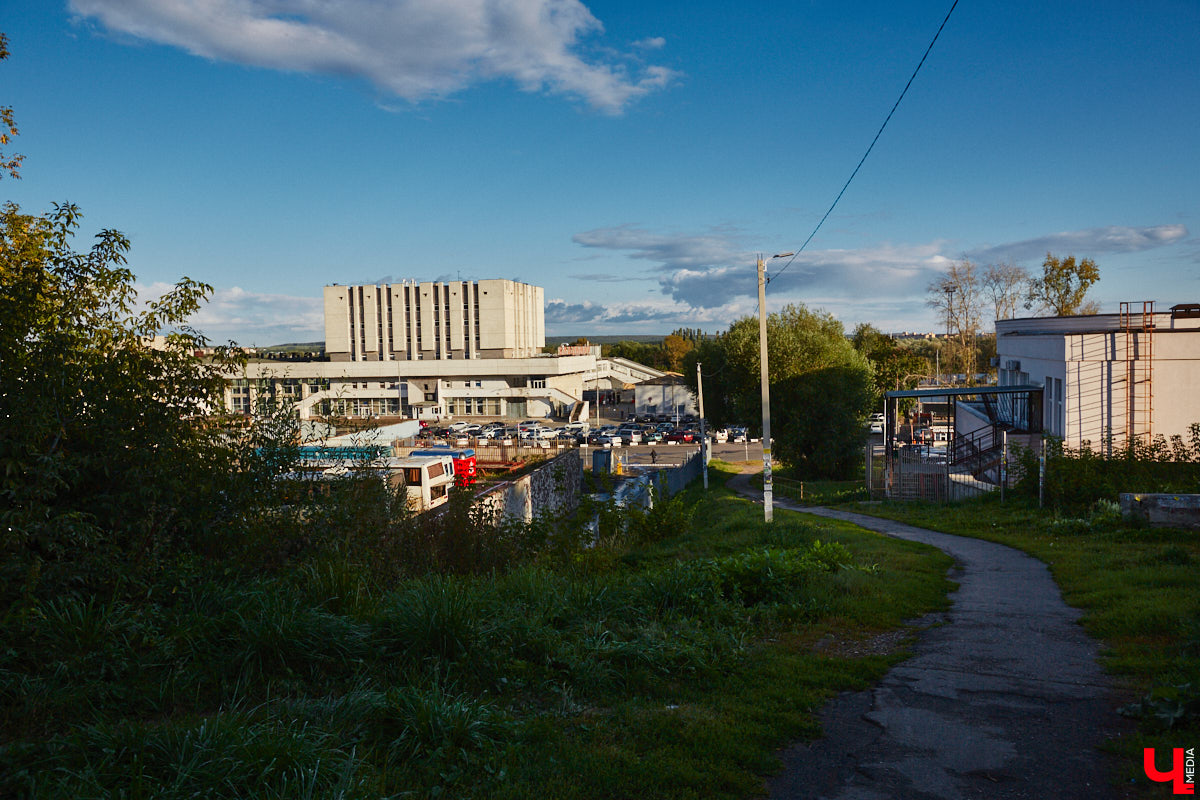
{"x": 1168, "y": 510}
{"x": 553, "y": 489}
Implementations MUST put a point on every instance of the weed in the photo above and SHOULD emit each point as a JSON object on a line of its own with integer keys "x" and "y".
{"x": 433, "y": 620}
{"x": 1166, "y": 708}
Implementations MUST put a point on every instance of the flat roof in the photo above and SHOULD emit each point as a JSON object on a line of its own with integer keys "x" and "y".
{"x": 960, "y": 391}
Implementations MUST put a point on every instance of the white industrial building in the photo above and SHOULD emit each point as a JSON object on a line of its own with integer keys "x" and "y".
{"x": 453, "y": 320}
{"x": 1108, "y": 377}
{"x": 429, "y": 350}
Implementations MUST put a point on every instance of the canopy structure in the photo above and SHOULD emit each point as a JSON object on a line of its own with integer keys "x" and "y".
{"x": 956, "y": 442}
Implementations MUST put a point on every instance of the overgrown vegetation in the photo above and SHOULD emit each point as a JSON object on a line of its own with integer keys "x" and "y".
{"x": 815, "y": 493}
{"x": 667, "y": 660}
{"x": 1077, "y": 478}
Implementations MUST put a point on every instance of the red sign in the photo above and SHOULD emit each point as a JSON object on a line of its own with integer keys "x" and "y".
{"x": 1183, "y": 769}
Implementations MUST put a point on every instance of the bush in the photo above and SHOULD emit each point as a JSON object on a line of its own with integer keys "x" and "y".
{"x": 1077, "y": 478}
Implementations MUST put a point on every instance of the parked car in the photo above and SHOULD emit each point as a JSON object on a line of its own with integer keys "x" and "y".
{"x": 652, "y": 436}
{"x": 737, "y": 434}
{"x": 680, "y": 435}
{"x": 630, "y": 434}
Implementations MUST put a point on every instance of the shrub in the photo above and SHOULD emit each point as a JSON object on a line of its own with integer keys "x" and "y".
{"x": 1076, "y": 479}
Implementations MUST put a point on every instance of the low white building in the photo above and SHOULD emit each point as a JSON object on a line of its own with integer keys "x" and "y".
{"x": 494, "y": 387}
{"x": 1107, "y": 377}
{"x": 667, "y": 394}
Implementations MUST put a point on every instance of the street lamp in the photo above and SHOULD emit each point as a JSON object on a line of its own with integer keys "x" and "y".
{"x": 768, "y": 483}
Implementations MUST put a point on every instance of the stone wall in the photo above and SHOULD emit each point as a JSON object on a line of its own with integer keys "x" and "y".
{"x": 553, "y": 489}
{"x": 1168, "y": 510}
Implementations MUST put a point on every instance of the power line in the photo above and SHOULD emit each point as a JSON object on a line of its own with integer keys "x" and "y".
{"x": 878, "y": 133}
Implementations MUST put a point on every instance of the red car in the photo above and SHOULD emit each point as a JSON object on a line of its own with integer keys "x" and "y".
{"x": 680, "y": 436}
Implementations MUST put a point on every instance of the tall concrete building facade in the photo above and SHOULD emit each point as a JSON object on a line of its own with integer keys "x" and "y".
{"x": 434, "y": 321}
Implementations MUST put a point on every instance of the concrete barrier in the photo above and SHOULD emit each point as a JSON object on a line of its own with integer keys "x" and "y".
{"x": 1167, "y": 510}
{"x": 553, "y": 488}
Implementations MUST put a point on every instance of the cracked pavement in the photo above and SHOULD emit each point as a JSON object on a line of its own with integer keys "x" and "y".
{"x": 1003, "y": 699}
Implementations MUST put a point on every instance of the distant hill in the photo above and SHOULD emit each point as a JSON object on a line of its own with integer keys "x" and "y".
{"x": 650, "y": 338}
{"x": 551, "y": 341}
{"x": 295, "y": 347}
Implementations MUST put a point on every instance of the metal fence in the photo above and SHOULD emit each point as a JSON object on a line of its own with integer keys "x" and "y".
{"x": 640, "y": 489}
{"x": 924, "y": 473}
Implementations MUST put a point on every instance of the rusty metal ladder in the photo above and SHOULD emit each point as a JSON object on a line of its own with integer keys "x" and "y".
{"x": 1138, "y": 330}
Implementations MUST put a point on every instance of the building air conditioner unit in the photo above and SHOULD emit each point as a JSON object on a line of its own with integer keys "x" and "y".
{"x": 994, "y": 361}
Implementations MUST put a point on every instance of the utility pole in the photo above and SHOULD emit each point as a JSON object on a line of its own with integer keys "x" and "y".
{"x": 703, "y": 426}
{"x": 768, "y": 482}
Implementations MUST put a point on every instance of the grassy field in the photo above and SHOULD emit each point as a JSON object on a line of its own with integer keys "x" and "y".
{"x": 815, "y": 493}
{"x": 670, "y": 661}
{"x": 1137, "y": 587}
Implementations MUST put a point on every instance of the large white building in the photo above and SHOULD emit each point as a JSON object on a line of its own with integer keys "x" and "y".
{"x": 432, "y": 350}
{"x": 426, "y": 321}
{"x": 1108, "y": 377}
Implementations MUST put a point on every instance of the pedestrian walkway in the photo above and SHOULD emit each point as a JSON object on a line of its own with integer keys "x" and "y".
{"x": 1003, "y": 700}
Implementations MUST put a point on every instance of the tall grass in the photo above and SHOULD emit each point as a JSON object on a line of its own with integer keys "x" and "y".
{"x": 327, "y": 679}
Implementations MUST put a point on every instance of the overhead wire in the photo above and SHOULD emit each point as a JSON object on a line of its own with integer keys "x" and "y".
{"x": 878, "y": 133}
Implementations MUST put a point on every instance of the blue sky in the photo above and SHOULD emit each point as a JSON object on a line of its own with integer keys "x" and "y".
{"x": 631, "y": 158}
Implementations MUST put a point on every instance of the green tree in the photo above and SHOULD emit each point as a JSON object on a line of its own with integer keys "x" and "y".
{"x": 8, "y": 127}
{"x": 895, "y": 367}
{"x": 648, "y": 353}
{"x": 820, "y": 434}
{"x": 675, "y": 349}
{"x": 106, "y": 456}
{"x": 1062, "y": 289}
{"x": 802, "y": 342}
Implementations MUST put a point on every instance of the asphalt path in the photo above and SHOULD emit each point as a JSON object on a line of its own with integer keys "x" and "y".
{"x": 1002, "y": 697}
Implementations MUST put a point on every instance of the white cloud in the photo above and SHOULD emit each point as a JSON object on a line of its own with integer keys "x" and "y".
{"x": 252, "y": 318}
{"x": 670, "y": 251}
{"x": 413, "y": 49}
{"x": 1091, "y": 242}
{"x": 651, "y": 43}
{"x": 653, "y": 316}
{"x": 712, "y": 269}
{"x": 708, "y": 270}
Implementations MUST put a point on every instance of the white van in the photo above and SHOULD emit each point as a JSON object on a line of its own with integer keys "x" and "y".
{"x": 427, "y": 480}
